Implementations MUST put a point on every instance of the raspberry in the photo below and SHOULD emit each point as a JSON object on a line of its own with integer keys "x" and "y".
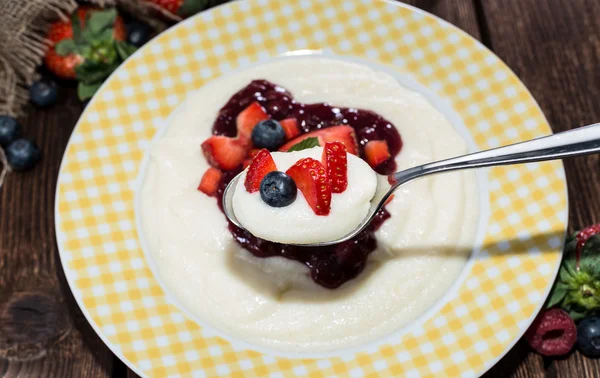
{"x": 553, "y": 333}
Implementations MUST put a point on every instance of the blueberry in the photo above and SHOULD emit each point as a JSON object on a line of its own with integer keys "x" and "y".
{"x": 138, "y": 33}
{"x": 43, "y": 92}
{"x": 10, "y": 129}
{"x": 22, "y": 154}
{"x": 588, "y": 336}
{"x": 268, "y": 134}
{"x": 278, "y": 189}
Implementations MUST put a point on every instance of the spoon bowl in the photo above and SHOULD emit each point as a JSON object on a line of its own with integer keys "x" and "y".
{"x": 580, "y": 141}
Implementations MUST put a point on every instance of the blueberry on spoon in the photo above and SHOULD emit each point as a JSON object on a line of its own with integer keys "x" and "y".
{"x": 278, "y": 189}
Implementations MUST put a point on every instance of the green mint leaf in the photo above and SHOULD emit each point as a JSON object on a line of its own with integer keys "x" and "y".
{"x": 558, "y": 293}
{"x": 100, "y": 25}
{"x": 65, "y": 47}
{"x": 86, "y": 91}
{"x": 305, "y": 144}
{"x": 124, "y": 49}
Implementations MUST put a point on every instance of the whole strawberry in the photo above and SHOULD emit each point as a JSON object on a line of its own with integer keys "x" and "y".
{"x": 88, "y": 48}
{"x": 185, "y": 8}
{"x": 577, "y": 289}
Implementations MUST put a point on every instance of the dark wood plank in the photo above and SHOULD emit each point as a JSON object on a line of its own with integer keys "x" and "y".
{"x": 29, "y": 261}
{"x": 554, "y": 47}
{"x": 461, "y": 13}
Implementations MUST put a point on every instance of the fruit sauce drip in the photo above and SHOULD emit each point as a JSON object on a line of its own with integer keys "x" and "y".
{"x": 332, "y": 265}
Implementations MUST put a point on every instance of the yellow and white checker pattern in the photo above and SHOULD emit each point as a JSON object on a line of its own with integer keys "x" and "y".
{"x": 96, "y": 228}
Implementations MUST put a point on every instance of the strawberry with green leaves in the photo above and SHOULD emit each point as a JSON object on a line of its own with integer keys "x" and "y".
{"x": 577, "y": 289}
{"x": 88, "y": 48}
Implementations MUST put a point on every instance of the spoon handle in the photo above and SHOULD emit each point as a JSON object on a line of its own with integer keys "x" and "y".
{"x": 581, "y": 141}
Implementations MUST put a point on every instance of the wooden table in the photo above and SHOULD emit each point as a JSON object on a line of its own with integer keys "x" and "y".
{"x": 552, "y": 45}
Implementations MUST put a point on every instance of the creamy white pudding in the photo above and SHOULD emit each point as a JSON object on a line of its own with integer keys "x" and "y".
{"x": 272, "y": 302}
{"x": 298, "y": 223}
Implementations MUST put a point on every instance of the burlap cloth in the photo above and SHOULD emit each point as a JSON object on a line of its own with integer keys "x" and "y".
{"x": 23, "y": 43}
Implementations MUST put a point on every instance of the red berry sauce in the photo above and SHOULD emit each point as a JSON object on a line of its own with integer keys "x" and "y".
{"x": 333, "y": 265}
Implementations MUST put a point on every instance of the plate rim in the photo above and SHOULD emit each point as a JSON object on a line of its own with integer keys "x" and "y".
{"x": 114, "y": 348}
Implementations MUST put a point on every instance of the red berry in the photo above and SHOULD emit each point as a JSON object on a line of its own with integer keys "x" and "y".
{"x": 261, "y": 165}
{"x": 376, "y": 152}
{"x": 553, "y": 333}
{"x": 290, "y": 127}
{"x": 311, "y": 178}
{"x": 251, "y": 157}
{"x": 224, "y": 153}
{"x": 335, "y": 162}
{"x": 583, "y": 235}
{"x": 169, "y": 5}
{"x": 249, "y": 118}
{"x": 64, "y": 66}
{"x": 344, "y": 134}
{"x": 210, "y": 181}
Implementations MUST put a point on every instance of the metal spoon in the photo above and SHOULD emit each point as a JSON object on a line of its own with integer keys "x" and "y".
{"x": 580, "y": 141}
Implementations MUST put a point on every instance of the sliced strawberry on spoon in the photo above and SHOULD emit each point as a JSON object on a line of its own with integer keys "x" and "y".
{"x": 261, "y": 165}
{"x": 335, "y": 162}
{"x": 343, "y": 133}
{"x": 248, "y": 118}
{"x": 311, "y": 178}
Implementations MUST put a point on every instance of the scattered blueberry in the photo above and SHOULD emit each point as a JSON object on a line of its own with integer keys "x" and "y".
{"x": 22, "y": 154}
{"x": 268, "y": 134}
{"x": 43, "y": 92}
{"x": 138, "y": 33}
{"x": 10, "y": 129}
{"x": 278, "y": 189}
{"x": 588, "y": 336}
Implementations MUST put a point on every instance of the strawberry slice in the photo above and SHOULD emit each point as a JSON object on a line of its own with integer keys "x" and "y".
{"x": 290, "y": 126}
{"x": 342, "y": 133}
{"x": 261, "y": 165}
{"x": 248, "y": 118}
{"x": 210, "y": 181}
{"x": 376, "y": 152}
{"x": 251, "y": 157}
{"x": 311, "y": 179}
{"x": 335, "y": 162}
{"x": 223, "y": 152}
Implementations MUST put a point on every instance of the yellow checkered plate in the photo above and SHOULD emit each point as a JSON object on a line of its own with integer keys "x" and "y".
{"x": 502, "y": 287}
